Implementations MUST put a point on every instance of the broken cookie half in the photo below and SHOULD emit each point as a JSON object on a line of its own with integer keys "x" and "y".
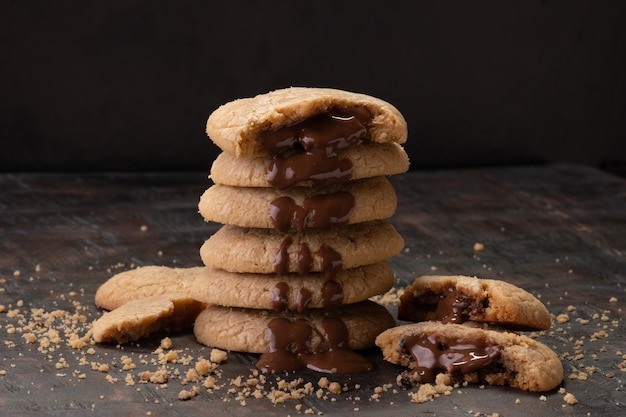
{"x": 139, "y": 318}
{"x": 470, "y": 354}
{"x": 452, "y": 334}
{"x": 458, "y": 299}
{"x": 146, "y": 300}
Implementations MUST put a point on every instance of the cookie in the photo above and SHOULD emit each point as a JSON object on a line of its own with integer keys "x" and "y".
{"x": 144, "y": 282}
{"x": 459, "y": 298}
{"x": 299, "y": 207}
{"x": 236, "y": 126}
{"x": 471, "y": 354}
{"x": 139, "y": 318}
{"x": 291, "y": 291}
{"x": 238, "y": 249}
{"x": 245, "y": 330}
{"x": 367, "y": 160}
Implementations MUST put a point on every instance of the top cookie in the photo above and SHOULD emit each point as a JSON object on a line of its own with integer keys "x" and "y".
{"x": 235, "y": 126}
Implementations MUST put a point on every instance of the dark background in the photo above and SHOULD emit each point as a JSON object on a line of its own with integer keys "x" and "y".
{"x": 128, "y": 85}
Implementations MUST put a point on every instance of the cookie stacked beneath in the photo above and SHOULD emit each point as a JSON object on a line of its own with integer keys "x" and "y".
{"x": 302, "y": 194}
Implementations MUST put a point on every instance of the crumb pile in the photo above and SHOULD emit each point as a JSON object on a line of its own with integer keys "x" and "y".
{"x": 302, "y": 198}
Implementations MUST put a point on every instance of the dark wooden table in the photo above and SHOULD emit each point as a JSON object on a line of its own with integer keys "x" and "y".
{"x": 557, "y": 231}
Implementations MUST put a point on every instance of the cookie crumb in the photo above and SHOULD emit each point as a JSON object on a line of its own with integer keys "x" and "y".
{"x": 218, "y": 356}
{"x": 185, "y": 395}
{"x": 143, "y": 228}
{"x": 613, "y": 300}
{"x": 166, "y": 343}
{"x": 479, "y": 247}
{"x": 428, "y": 392}
{"x": 562, "y": 318}
{"x": 334, "y": 387}
{"x": 570, "y": 399}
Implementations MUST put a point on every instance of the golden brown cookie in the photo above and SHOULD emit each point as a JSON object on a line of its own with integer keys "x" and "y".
{"x": 238, "y": 249}
{"x": 291, "y": 291}
{"x": 235, "y": 126}
{"x": 245, "y": 330}
{"x": 144, "y": 282}
{"x": 139, "y": 318}
{"x": 368, "y": 160}
{"x": 300, "y": 207}
{"x": 471, "y": 354}
{"x": 459, "y": 298}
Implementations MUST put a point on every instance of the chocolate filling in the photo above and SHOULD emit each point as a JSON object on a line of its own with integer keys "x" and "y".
{"x": 450, "y": 306}
{"x": 307, "y": 150}
{"x": 289, "y": 348}
{"x": 440, "y": 353}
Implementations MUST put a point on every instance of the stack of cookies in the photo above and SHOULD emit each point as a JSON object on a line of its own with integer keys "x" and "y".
{"x": 302, "y": 194}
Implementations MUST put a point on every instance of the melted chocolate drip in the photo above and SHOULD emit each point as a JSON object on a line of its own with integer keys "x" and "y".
{"x": 303, "y": 299}
{"x": 304, "y": 259}
{"x": 330, "y": 259}
{"x": 323, "y": 211}
{"x": 280, "y": 296}
{"x": 288, "y": 352}
{"x": 332, "y": 291}
{"x": 332, "y": 294}
{"x": 332, "y": 262}
{"x": 281, "y": 260}
{"x": 282, "y": 335}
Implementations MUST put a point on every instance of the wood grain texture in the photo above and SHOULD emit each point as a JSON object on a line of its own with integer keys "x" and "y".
{"x": 557, "y": 231}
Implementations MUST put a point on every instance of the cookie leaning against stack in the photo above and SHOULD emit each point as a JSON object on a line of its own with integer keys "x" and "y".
{"x": 301, "y": 192}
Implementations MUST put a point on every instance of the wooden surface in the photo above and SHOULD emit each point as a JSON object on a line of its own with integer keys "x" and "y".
{"x": 557, "y": 231}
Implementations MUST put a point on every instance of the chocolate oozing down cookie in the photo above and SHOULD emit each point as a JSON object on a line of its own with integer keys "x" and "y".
{"x": 367, "y": 160}
{"x": 288, "y": 341}
{"x": 456, "y": 299}
{"x": 299, "y": 208}
{"x": 266, "y": 251}
{"x": 470, "y": 354}
{"x": 293, "y": 291}
{"x": 288, "y": 349}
